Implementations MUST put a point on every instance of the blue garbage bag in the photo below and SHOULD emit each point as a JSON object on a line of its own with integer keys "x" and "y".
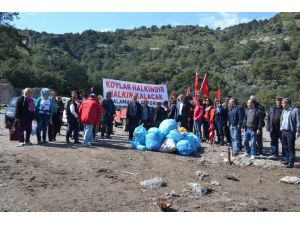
{"x": 194, "y": 140}
{"x": 154, "y": 139}
{"x": 185, "y": 147}
{"x": 141, "y": 147}
{"x": 167, "y": 125}
{"x": 139, "y": 135}
{"x": 175, "y": 135}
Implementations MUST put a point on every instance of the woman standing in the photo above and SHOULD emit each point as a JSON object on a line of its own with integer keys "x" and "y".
{"x": 25, "y": 115}
{"x": 43, "y": 111}
{"x": 220, "y": 118}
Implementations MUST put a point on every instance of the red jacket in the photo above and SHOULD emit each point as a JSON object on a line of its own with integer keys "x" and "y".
{"x": 90, "y": 111}
{"x": 199, "y": 113}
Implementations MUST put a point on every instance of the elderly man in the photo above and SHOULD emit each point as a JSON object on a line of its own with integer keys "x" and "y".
{"x": 90, "y": 112}
{"x": 290, "y": 128}
{"x": 146, "y": 115}
{"x": 133, "y": 115}
{"x": 273, "y": 126}
{"x": 252, "y": 125}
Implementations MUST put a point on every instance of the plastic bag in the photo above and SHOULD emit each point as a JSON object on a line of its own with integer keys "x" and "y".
{"x": 167, "y": 125}
{"x": 139, "y": 136}
{"x": 185, "y": 147}
{"x": 175, "y": 135}
{"x": 33, "y": 127}
{"x": 141, "y": 147}
{"x": 154, "y": 139}
{"x": 169, "y": 146}
{"x": 194, "y": 140}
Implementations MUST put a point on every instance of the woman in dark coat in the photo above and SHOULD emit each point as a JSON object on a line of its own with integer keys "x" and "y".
{"x": 25, "y": 115}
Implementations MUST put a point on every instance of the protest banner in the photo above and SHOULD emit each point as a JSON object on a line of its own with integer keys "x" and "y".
{"x": 122, "y": 92}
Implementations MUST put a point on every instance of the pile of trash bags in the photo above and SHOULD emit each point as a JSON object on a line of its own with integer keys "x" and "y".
{"x": 168, "y": 138}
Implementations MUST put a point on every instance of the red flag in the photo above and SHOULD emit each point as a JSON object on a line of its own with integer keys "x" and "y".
{"x": 188, "y": 90}
{"x": 197, "y": 86}
{"x": 205, "y": 86}
{"x": 218, "y": 93}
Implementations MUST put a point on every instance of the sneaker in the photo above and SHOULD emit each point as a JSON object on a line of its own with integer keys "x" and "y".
{"x": 290, "y": 166}
{"x": 77, "y": 142}
{"x": 252, "y": 157}
{"x": 21, "y": 144}
{"x": 28, "y": 143}
{"x": 285, "y": 162}
{"x": 273, "y": 157}
{"x": 45, "y": 142}
{"x": 246, "y": 155}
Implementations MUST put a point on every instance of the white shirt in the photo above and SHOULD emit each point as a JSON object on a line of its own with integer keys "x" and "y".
{"x": 285, "y": 119}
{"x": 72, "y": 109}
{"x": 180, "y": 109}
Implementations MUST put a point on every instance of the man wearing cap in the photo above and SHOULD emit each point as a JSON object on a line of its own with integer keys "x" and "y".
{"x": 90, "y": 112}
{"x": 290, "y": 128}
{"x": 273, "y": 126}
{"x": 133, "y": 115}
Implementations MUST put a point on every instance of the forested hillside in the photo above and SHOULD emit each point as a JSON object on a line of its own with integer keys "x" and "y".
{"x": 259, "y": 57}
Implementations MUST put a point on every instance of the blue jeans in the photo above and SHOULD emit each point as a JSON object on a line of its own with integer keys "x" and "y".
{"x": 275, "y": 136}
{"x": 288, "y": 142}
{"x": 88, "y": 133}
{"x": 250, "y": 135}
{"x": 235, "y": 134}
{"x": 198, "y": 125}
{"x": 42, "y": 125}
{"x": 219, "y": 125}
{"x": 73, "y": 125}
{"x": 206, "y": 129}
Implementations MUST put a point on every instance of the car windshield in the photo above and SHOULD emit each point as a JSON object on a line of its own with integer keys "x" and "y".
{"x": 12, "y": 102}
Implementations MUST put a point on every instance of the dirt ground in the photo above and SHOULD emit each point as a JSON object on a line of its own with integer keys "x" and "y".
{"x": 107, "y": 176}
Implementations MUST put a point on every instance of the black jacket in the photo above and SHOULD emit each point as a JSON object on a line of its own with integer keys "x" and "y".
{"x": 138, "y": 115}
{"x": 105, "y": 105}
{"x": 22, "y": 110}
{"x": 271, "y": 114}
{"x": 257, "y": 120}
{"x": 160, "y": 114}
{"x": 172, "y": 112}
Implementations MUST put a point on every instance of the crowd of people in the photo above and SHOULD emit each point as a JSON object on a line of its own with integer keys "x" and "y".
{"x": 228, "y": 119}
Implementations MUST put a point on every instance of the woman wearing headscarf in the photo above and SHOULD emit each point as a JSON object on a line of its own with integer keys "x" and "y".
{"x": 43, "y": 111}
{"x": 25, "y": 115}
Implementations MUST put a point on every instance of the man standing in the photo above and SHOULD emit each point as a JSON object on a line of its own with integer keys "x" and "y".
{"x": 133, "y": 115}
{"x": 90, "y": 112}
{"x": 146, "y": 115}
{"x": 236, "y": 117}
{"x": 263, "y": 116}
{"x": 290, "y": 128}
{"x": 226, "y": 127}
{"x": 159, "y": 115}
{"x": 252, "y": 125}
{"x": 73, "y": 118}
{"x": 108, "y": 118}
{"x": 273, "y": 126}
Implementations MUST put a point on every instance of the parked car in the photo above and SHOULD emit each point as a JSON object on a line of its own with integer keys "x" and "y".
{"x": 10, "y": 112}
{"x": 9, "y": 116}
{"x": 120, "y": 118}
